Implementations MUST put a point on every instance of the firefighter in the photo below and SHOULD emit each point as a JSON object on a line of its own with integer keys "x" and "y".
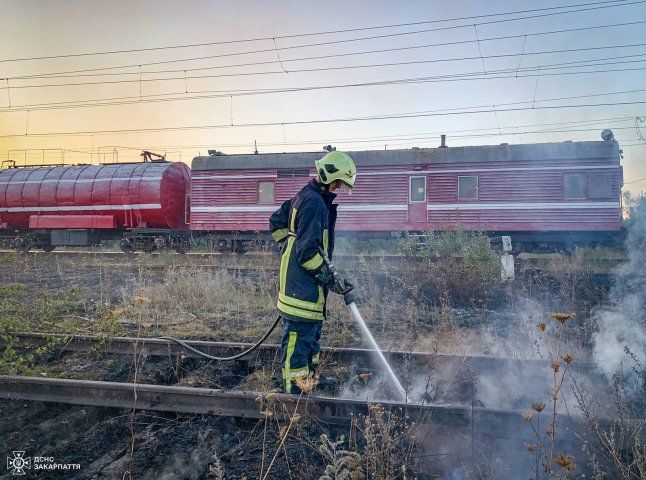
{"x": 304, "y": 224}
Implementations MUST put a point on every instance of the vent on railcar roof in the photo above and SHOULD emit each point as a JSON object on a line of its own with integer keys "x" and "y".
{"x": 293, "y": 173}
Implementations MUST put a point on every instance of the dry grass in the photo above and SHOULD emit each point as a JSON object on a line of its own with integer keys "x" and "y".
{"x": 615, "y": 450}
{"x": 207, "y": 293}
{"x": 385, "y": 442}
{"x": 260, "y": 380}
{"x": 194, "y": 302}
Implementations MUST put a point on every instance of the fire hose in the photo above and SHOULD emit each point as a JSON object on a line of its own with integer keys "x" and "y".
{"x": 225, "y": 359}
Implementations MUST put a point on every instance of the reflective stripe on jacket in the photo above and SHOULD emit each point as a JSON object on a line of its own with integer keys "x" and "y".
{"x": 304, "y": 223}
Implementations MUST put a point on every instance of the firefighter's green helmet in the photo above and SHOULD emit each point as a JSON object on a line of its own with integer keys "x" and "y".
{"x": 337, "y": 166}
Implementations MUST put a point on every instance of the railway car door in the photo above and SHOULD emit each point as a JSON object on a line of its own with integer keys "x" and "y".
{"x": 417, "y": 199}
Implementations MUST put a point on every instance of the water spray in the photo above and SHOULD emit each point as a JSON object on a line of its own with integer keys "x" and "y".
{"x": 349, "y": 301}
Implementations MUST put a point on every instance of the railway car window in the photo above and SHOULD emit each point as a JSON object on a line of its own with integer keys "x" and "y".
{"x": 599, "y": 185}
{"x": 467, "y": 187}
{"x": 293, "y": 173}
{"x": 574, "y": 185}
{"x": 265, "y": 192}
{"x": 417, "y": 189}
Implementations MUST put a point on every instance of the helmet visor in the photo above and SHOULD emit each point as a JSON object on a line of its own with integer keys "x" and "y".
{"x": 346, "y": 187}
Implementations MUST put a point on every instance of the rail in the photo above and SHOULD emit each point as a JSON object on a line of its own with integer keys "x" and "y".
{"x": 241, "y": 404}
{"x": 157, "y": 347}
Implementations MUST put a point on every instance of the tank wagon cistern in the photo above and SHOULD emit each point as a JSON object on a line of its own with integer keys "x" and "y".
{"x": 145, "y": 205}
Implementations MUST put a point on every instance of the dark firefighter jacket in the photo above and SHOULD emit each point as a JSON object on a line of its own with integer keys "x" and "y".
{"x": 304, "y": 223}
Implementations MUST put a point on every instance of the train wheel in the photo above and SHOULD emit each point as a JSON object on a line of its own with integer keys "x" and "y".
{"x": 127, "y": 245}
{"x": 223, "y": 246}
{"x": 183, "y": 246}
{"x": 48, "y": 248}
{"x": 23, "y": 243}
{"x": 158, "y": 244}
{"x": 238, "y": 247}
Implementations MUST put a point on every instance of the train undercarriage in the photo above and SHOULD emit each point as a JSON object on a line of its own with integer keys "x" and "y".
{"x": 156, "y": 240}
{"x": 235, "y": 242}
{"x": 130, "y": 241}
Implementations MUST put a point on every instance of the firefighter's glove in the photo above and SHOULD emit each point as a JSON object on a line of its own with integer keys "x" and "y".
{"x": 325, "y": 276}
{"x": 348, "y": 286}
{"x": 342, "y": 288}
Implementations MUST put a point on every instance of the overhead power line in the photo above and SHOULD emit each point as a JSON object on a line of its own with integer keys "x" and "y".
{"x": 317, "y": 121}
{"x": 73, "y": 73}
{"x": 347, "y": 67}
{"x": 606, "y": 122}
{"x": 477, "y": 75}
{"x": 417, "y": 138}
{"x": 434, "y": 137}
{"x": 390, "y": 141}
{"x": 588, "y": 6}
{"x": 139, "y": 65}
{"x": 542, "y": 71}
{"x": 506, "y": 104}
{"x": 635, "y": 181}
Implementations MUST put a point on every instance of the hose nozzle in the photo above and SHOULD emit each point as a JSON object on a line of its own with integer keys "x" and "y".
{"x": 340, "y": 285}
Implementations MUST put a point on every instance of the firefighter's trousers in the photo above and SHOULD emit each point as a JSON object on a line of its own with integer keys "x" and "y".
{"x": 300, "y": 351}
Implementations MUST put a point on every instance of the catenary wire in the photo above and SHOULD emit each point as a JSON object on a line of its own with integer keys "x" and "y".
{"x": 365, "y": 139}
{"x": 589, "y": 6}
{"x": 491, "y": 75}
{"x": 66, "y": 105}
{"x": 400, "y": 137}
{"x": 391, "y": 140}
{"x": 78, "y": 73}
{"x": 348, "y": 67}
{"x": 635, "y": 181}
{"x": 319, "y": 121}
{"x": 541, "y": 71}
{"x": 391, "y": 143}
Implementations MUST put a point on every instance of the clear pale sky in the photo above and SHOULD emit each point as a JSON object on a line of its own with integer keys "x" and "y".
{"x": 234, "y": 92}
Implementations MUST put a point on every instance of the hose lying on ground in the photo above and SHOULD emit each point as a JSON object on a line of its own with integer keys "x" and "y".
{"x": 225, "y": 359}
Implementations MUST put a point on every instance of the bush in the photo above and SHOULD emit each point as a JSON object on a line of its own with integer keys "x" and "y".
{"x": 458, "y": 266}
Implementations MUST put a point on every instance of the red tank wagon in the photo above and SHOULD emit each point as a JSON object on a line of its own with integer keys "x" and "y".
{"x": 145, "y": 204}
{"x": 550, "y": 195}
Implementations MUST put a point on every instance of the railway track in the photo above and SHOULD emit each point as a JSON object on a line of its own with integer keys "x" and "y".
{"x": 499, "y": 424}
{"x": 459, "y": 431}
{"x": 239, "y": 404}
{"x": 157, "y": 347}
{"x": 426, "y": 376}
{"x": 463, "y": 428}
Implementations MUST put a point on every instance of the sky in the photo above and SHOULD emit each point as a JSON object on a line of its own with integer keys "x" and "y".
{"x": 109, "y": 79}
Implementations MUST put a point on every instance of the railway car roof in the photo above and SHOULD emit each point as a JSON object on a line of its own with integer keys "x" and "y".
{"x": 419, "y": 156}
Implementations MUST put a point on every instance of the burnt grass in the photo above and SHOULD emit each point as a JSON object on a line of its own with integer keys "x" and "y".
{"x": 115, "y": 443}
{"x": 166, "y": 446}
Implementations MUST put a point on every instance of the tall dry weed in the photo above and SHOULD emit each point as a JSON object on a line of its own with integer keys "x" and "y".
{"x": 385, "y": 442}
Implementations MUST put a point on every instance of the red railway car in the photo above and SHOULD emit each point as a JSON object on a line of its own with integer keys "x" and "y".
{"x": 551, "y": 195}
{"x": 145, "y": 204}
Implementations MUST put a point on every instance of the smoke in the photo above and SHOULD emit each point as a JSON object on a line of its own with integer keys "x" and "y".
{"x": 517, "y": 372}
{"x": 620, "y": 334}
{"x": 620, "y": 342}
{"x": 189, "y": 461}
